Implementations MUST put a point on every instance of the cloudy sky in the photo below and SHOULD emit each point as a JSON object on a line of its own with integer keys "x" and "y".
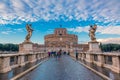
{"x": 46, "y": 15}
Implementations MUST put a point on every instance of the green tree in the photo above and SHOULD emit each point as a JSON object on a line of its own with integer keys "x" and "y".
{"x": 9, "y": 47}
{"x": 110, "y": 47}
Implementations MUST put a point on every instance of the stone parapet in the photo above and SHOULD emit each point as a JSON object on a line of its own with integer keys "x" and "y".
{"x": 107, "y": 60}
{"x": 19, "y": 59}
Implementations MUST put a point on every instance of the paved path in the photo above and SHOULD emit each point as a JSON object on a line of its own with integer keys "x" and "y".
{"x": 63, "y": 68}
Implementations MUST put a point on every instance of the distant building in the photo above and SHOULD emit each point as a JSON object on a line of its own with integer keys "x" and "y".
{"x": 61, "y": 40}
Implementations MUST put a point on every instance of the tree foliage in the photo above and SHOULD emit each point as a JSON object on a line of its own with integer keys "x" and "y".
{"x": 110, "y": 47}
{"x": 9, "y": 47}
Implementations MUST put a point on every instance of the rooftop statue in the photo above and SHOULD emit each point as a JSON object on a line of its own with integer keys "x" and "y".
{"x": 29, "y": 30}
{"x": 92, "y": 31}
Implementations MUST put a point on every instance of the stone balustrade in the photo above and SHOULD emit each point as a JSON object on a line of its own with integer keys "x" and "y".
{"x": 9, "y": 61}
{"x": 107, "y": 60}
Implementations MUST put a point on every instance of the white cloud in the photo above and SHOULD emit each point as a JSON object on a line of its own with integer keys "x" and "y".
{"x": 100, "y": 29}
{"x": 19, "y": 30}
{"x": 17, "y": 11}
{"x": 3, "y": 32}
{"x": 6, "y": 32}
{"x": 109, "y": 30}
{"x": 49, "y": 31}
{"x": 79, "y": 29}
{"x": 110, "y": 40}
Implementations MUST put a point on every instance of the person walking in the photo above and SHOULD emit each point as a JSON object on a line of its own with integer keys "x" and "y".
{"x": 59, "y": 54}
{"x": 48, "y": 54}
{"x": 76, "y": 54}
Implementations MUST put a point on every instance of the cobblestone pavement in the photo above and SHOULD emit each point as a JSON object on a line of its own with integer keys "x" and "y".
{"x": 63, "y": 68}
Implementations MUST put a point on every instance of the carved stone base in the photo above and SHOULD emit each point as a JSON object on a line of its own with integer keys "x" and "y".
{"x": 26, "y": 47}
{"x": 94, "y": 47}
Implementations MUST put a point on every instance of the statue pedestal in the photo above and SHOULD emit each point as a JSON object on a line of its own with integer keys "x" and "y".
{"x": 94, "y": 47}
{"x": 26, "y": 47}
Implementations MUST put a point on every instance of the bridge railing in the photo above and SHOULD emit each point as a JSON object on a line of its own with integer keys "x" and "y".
{"x": 107, "y": 60}
{"x": 9, "y": 61}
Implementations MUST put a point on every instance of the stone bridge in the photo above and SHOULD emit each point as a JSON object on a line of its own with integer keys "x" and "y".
{"x": 103, "y": 66}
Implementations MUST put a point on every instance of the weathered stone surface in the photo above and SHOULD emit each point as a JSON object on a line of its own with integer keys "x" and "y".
{"x": 21, "y": 60}
{"x": 5, "y": 64}
{"x": 94, "y": 47}
{"x": 26, "y": 47}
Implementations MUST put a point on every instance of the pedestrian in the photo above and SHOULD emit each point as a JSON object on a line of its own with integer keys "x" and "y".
{"x": 48, "y": 54}
{"x": 59, "y": 53}
{"x": 76, "y": 54}
{"x": 68, "y": 53}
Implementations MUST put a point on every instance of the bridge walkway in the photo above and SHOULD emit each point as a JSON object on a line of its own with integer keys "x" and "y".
{"x": 63, "y": 68}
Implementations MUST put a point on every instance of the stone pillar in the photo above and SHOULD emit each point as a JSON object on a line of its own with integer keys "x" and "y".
{"x": 79, "y": 56}
{"x": 100, "y": 60}
{"x": 94, "y": 47}
{"x": 32, "y": 58}
{"x": 26, "y": 47}
{"x": 46, "y": 55}
{"x": 89, "y": 58}
{"x": 5, "y": 64}
{"x": 116, "y": 64}
{"x": 38, "y": 57}
{"x": 21, "y": 60}
{"x": 43, "y": 55}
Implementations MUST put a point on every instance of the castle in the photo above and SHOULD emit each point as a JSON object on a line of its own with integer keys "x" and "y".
{"x": 61, "y": 40}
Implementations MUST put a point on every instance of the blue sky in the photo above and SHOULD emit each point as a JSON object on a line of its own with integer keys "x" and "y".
{"x": 46, "y": 15}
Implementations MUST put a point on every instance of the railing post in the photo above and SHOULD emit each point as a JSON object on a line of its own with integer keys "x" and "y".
{"x": 100, "y": 60}
{"x": 41, "y": 56}
{"x": 38, "y": 56}
{"x": 82, "y": 56}
{"x": 21, "y": 60}
{"x": 32, "y": 58}
{"x": 44, "y": 55}
{"x": 116, "y": 64}
{"x": 89, "y": 58}
{"x": 5, "y": 64}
